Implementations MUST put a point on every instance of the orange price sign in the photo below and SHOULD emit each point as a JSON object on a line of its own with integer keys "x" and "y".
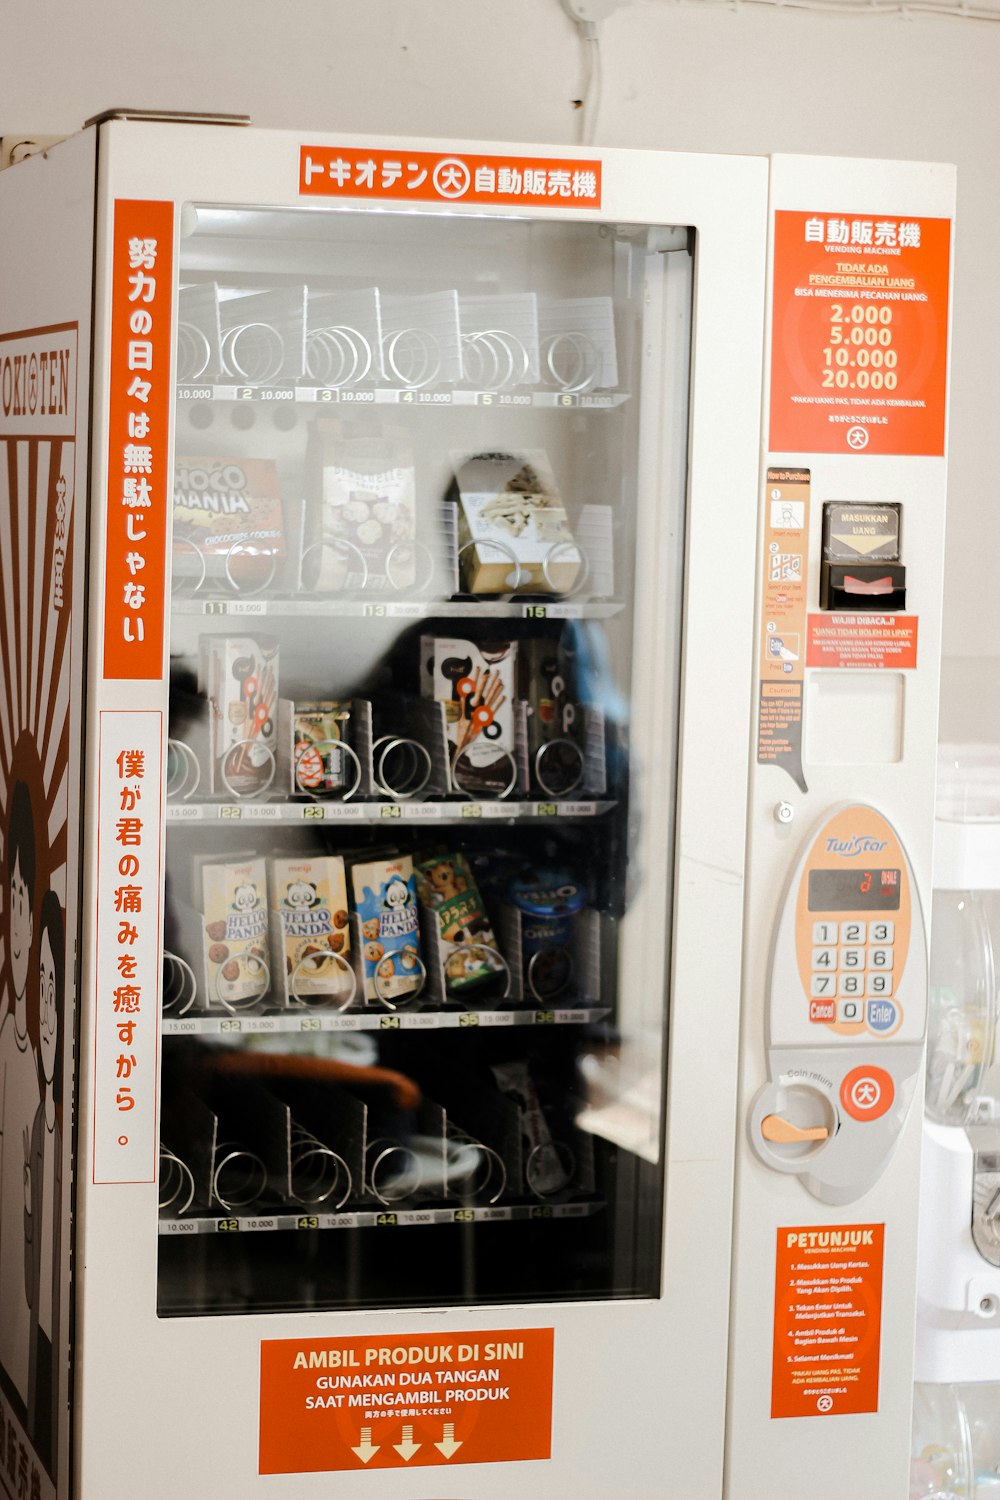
{"x": 859, "y": 334}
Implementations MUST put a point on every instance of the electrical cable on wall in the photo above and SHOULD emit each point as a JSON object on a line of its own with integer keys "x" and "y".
{"x": 865, "y": 9}
{"x": 588, "y": 15}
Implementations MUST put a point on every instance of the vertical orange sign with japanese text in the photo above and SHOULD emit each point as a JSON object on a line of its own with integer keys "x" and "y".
{"x": 859, "y": 348}
{"x": 139, "y": 486}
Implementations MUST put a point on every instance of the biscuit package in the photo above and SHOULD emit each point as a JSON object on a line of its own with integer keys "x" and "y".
{"x": 513, "y": 532}
{"x": 385, "y": 900}
{"x": 227, "y": 523}
{"x": 310, "y": 930}
{"x": 447, "y": 890}
{"x": 320, "y": 765}
{"x": 361, "y": 531}
{"x": 234, "y": 909}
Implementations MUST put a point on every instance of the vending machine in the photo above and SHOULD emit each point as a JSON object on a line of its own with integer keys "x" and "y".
{"x": 470, "y": 621}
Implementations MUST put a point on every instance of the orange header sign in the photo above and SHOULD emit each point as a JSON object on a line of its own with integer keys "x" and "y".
{"x": 399, "y": 1401}
{"x": 859, "y": 334}
{"x": 447, "y": 177}
{"x": 139, "y": 481}
{"x": 827, "y": 1320}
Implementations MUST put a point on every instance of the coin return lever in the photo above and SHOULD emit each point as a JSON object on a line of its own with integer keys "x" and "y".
{"x": 861, "y": 567}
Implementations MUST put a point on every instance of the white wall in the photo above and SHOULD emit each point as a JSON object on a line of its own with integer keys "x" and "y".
{"x": 696, "y": 76}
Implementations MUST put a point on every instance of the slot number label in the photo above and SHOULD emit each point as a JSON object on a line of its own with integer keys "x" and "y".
{"x": 859, "y": 355}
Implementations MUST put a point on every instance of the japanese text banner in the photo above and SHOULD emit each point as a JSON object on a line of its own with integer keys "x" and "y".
{"x": 128, "y": 947}
{"x": 436, "y": 177}
{"x": 139, "y": 486}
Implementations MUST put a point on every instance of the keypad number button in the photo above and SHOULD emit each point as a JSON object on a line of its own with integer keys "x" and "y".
{"x": 824, "y": 933}
{"x": 823, "y": 985}
{"x": 882, "y": 932}
{"x": 852, "y": 958}
{"x": 853, "y": 933}
{"x": 880, "y": 958}
{"x": 880, "y": 983}
{"x": 849, "y": 1011}
{"x": 851, "y": 984}
{"x": 824, "y": 958}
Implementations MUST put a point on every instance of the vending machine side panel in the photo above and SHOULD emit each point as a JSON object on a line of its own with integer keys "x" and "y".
{"x": 848, "y": 633}
{"x": 47, "y": 216}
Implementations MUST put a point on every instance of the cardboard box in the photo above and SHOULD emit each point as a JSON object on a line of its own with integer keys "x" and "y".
{"x": 385, "y": 900}
{"x": 234, "y": 916}
{"x": 512, "y": 525}
{"x": 229, "y": 511}
{"x": 310, "y": 929}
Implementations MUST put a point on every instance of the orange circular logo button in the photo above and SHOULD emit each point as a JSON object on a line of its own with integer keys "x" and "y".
{"x": 867, "y": 1093}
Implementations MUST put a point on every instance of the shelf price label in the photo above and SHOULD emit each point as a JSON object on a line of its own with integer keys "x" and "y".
{"x": 860, "y": 333}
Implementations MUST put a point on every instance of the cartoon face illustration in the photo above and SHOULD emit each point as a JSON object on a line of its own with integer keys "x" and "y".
{"x": 397, "y": 894}
{"x": 370, "y": 928}
{"x": 444, "y": 881}
{"x": 301, "y": 894}
{"x": 373, "y": 952}
{"x": 245, "y": 897}
{"x": 47, "y": 1005}
{"x": 21, "y": 927}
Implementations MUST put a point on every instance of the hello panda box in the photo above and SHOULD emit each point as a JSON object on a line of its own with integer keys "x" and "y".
{"x": 310, "y": 930}
{"x": 385, "y": 900}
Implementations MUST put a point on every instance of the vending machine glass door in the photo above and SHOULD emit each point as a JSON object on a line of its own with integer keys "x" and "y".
{"x": 424, "y": 672}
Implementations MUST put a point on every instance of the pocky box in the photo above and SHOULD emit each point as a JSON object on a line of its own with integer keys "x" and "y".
{"x": 554, "y": 717}
{"x": 477, "y": 683}
{"x": 310, "y": 929}
{"x": 385, "y": 900}
{"x": 234, "y": 912}
{"x": 242, "y": 689}
{"x": 448, "y": 891}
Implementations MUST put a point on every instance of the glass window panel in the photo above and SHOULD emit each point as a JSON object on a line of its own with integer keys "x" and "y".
{"x": 425, "y": 608}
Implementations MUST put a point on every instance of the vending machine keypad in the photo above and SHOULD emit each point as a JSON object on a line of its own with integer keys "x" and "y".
{"x": 847, "y": 1008}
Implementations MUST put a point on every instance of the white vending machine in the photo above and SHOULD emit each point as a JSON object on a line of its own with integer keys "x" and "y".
{"x": 470, "y": 622}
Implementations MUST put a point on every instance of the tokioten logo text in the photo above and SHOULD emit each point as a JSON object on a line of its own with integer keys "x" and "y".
{"x": 38, "y": 372}
{"x": 859, "y": 843}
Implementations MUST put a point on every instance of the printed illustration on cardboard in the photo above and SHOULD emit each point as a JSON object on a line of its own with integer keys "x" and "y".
{"x": 37, "y": 457}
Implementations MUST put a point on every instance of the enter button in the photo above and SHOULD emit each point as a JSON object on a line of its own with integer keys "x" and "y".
{"x": 867, "y": 1093}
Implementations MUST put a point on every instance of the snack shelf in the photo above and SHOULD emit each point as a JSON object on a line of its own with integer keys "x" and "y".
{"x": 401, "y": 396}
{"x": 427, "y": 1020}
{"x": 379, "y": 812}
{"x": 381, "y": 1219}
{"x": 401, "y": 609}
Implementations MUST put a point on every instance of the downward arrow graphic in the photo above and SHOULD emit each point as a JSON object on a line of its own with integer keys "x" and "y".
{"x": 364, "y": 1450}
{"x": 407, "y": 1447}
{"x": 448, "y": 1446}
